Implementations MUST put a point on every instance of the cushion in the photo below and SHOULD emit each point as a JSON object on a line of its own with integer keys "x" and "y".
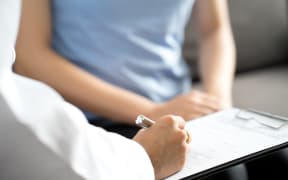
{"x": 260, "y": 32}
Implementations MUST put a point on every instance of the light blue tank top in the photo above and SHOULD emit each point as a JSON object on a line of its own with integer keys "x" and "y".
{"x": 134, "y": 44}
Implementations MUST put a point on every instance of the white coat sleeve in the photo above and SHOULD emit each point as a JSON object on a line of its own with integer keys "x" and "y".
{"x": 62, "y": 148}
{"x": 37, "y": 113}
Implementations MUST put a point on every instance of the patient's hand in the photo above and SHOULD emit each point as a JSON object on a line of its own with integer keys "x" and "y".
{"x": 190, "y": 106}
{"x": 165, "y": 143}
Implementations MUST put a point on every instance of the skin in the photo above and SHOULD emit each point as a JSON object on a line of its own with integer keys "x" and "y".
{"x": 216, "y": 49}
{"x": 36, "y": 59}
{"x": 165, "y": 143}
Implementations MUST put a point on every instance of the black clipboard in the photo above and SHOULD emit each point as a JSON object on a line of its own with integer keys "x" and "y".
{"x": 244, "y": 159}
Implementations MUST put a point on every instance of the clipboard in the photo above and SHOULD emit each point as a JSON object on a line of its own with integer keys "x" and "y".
{"x": 268, "y": 132}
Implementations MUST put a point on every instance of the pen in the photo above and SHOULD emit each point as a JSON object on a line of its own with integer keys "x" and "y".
{"x": 144, "y": 122}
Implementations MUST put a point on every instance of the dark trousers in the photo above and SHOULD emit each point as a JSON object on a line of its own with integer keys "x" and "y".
{"x": 125, "y": 130}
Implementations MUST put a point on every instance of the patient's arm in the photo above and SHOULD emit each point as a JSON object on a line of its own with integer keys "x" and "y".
{"x": 36, "y": 59}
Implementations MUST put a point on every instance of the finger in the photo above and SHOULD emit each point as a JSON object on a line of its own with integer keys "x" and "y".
{"x": 192, "y": 111}
{"x": 211, "y": 102}
{"x": 172, "y": 121}
{"x": 209, "y": 105}
{"x": 218, "y": 101}
{"x": 202, "y": 109}
{"x": 192, "y": 105}
{"x": 206, "y": 100}
{"x": 180, "y": 122}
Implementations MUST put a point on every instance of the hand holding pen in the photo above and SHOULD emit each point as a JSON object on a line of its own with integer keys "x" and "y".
{"x": 144, "y": 122}
{"x": 165, "y": 141}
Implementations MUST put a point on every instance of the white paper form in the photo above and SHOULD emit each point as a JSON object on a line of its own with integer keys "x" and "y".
{"x": 222, "y": 137}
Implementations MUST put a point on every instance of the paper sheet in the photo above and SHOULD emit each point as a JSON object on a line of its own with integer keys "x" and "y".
{"x": 223, "y": 136}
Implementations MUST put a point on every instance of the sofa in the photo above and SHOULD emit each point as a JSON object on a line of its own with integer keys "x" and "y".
{"x": 261, "y": 36}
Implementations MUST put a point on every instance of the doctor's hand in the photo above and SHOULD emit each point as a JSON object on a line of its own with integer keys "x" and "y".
{"x": 189, "y": 106}
{"x": 165, "y": 143}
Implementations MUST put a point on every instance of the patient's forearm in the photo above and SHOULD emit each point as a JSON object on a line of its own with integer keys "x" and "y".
{"x": 217, "y": 62}
{"x": 82, "y": 88}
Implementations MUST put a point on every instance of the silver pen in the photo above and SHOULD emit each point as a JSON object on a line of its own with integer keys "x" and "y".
{"x": 144, "y": 122}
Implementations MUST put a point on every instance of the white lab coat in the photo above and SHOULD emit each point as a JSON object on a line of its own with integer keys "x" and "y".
{"x": 44, "y": 137}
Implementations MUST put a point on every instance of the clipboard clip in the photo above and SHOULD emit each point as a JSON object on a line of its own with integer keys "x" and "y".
{"x": 264, "y": 118}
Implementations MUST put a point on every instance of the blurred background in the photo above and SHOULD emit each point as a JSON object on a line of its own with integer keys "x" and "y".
{"x": 261, "y": 36}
